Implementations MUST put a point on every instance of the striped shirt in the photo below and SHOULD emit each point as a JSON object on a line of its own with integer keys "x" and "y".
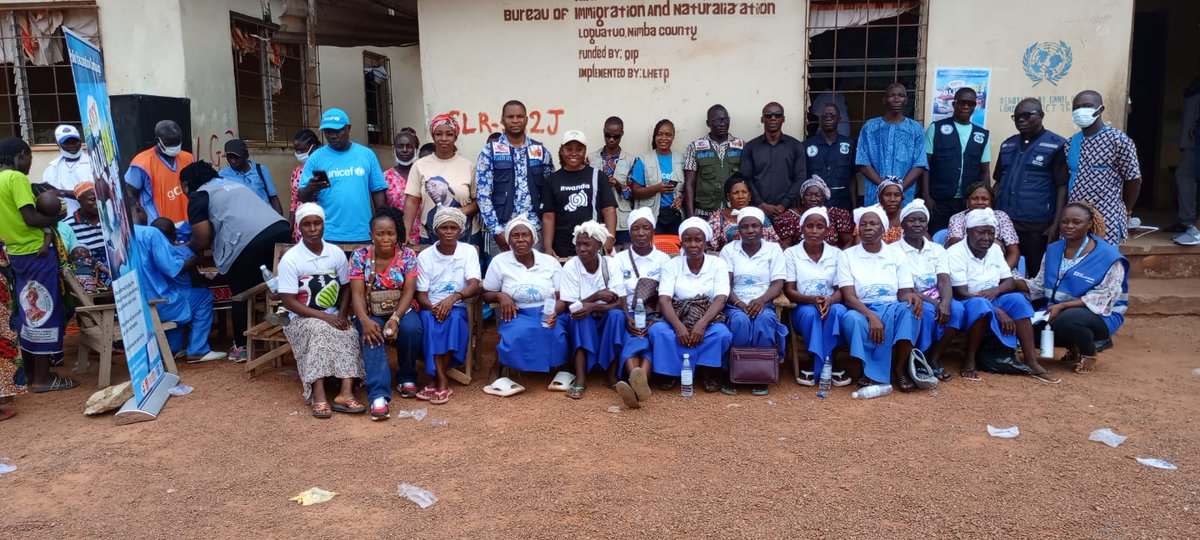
{"x": 89, "y": 236}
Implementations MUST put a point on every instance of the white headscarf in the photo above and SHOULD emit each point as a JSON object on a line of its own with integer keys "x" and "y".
{"x": 309, "y": 209}
{"x": 815, "y": 211}
{"x": 593, "y": 229}
{"x": 520, "y": 221}
{"x": 643, "y": 213}
{"x": 980, "y": 217}
{"x": 874, "y": 209}
{"x": 748, "y": 212}
{"x": 917, "y": 205}
{"x": 696, "y": 223}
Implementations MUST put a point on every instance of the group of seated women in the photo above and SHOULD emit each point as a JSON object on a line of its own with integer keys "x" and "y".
{"x": 877, "y": 300}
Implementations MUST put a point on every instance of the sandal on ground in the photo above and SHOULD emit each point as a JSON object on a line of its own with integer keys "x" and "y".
{"x": 575, "y": 392}
{"x": 760, "y": 391}
{"x": 59, "y": 383}
{"x": 321, "y": 410}
{"x": 669, "y": 384}
{"x": 639, "y": 381}
{"x": 427, "y": 393}
{"x": 806, "y": 379}
{"x": 1071, "y": 359}
{"x": 627, "y": 395}
{"x": 1046, "y": 377}
{"x": 350, "y": 406}
{"x": 407, "y": 390}
{"x": 941, "y": 374}
{"x": 441, "y": 397}
{"x": 971, "y": 375}
{"x": 729, "y": 389}
{"x": 1087, "y": 364}
{"x": 711, "y": 386}
{"x": 904, "y": 383}
{"x": 840, "y": 379}
{"x": 6, "y": 414}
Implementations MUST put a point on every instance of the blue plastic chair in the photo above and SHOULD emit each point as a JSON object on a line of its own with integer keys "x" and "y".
{"x": 1021, "y": 266}
{"x": 940, "y": 236}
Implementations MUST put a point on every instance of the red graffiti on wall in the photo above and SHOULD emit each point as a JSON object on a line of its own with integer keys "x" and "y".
{"x": 540, "y": 121}
{"x": 215, "y": 151}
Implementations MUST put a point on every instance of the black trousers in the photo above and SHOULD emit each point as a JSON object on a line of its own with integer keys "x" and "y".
{"x": 1079, "y": 328}
{"x": 940, "y": 218}
{"x": 244, "y": 273}
{"x": 1032, "y": 243}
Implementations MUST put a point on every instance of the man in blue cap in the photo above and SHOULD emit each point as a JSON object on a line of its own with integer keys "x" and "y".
{"x": 345, "y": 179}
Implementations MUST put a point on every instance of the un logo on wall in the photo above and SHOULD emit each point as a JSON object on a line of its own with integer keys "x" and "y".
{"x": 1047, "y": 61}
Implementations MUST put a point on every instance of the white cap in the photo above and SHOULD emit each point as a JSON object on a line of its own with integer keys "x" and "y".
{"x": 574, "y": 135}
{"x": 64, "y": 132}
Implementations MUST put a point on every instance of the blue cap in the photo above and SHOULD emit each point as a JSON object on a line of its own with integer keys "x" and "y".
{"x": 334, "y": 119}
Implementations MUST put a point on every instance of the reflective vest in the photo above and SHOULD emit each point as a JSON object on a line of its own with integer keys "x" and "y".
{"x": 164, "y": 182}
{"x": 1027, "y": 191}
{"x": 1085, "y": 275}
{"x": 712, "y": 172}
{"x": 954, "y": 168}
{"x": 504, "y": 175}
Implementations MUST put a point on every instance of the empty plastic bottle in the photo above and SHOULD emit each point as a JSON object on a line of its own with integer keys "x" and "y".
{"x": 271, "y": 281}
{"x": 639, "y": 315}
{"x": 685, "y": 377}
{"x": 826, "y": 375}
{"x": 873, "y": 391}
{"x": 548, "y": 312}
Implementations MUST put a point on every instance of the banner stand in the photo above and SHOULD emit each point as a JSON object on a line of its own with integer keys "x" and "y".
{"x": 131, "y": 413}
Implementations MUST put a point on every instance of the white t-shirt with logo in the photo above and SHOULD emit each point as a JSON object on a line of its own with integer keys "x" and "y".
{"x": 925, "y": 264}
{"x": 876, "y": 277}
{"x": 812, "y": 278}
{"x": 578, "y": 284}
{"x": 650, "y": 266}
{"x": 680, "y": 283}
{"x": 976, "y": 274}
{"x": 443, "y": 275}
{"x": 752, "y": 275}
{"x": 528, "y": 287}
{"x": 298, "y": 263}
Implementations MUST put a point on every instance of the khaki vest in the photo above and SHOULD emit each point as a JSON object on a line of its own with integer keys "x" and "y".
{"x": 654, "y": 177}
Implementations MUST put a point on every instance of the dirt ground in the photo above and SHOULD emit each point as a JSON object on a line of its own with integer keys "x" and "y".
{"x": 223, "y": 461}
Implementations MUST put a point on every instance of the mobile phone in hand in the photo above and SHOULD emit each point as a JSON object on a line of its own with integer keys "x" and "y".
{"x": 321, "y": 178}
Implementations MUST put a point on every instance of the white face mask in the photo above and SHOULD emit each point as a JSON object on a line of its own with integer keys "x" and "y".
{"x": 169, "y": 151}
{"x": 71, "y": 155}
{"x": 303, "y": 156}
{"x": 405, "y": 163}
{"x": 1084, "y": 116}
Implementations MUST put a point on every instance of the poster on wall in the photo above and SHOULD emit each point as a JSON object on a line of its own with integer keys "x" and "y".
{"x": 141, "y": 353}
{"x": 947, "y": 81}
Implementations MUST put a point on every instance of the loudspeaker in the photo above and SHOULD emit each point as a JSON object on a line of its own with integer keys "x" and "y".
{"x": 134, "y": 116}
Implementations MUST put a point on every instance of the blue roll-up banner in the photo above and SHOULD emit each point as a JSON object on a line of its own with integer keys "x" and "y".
{"x": 141, "y": 349}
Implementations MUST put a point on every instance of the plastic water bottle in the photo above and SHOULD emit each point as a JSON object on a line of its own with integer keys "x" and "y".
{"x": 1047, "y": 342}
{"x": 873, "y": 391}
{"x": 685, "y": 377}
{"x": 271, "y": 281}
{"x": 548, "y": 312}
{"x": 639, "y": 315}
{"x": 826, "y": 375}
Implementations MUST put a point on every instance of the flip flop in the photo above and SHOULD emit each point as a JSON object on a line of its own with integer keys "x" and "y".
{"x": 640, "y": 383}
{"x": 503, "y": 387}
{"x": 350, "y": 406}
{"x": 562, "y": 381}
{"x": 761, "y": 391}
{"x": 427, "y": 394}
{"x": 974, "y": 375}
{"x": 321, "y": 411}
{"x": 840, "y": 379}
{"x": 627, "y": 395}
{"x": 59, "y": 383}
{"x": 806, "y": 379}
{"x": 576, "y": 392}
{"x": 1045, "y": 377}
{"x": 441, "y": 397}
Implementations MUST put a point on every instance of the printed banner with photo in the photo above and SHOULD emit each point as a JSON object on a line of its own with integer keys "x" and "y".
{"x": 141, "y": 351}
{"x": 947, "y": 81}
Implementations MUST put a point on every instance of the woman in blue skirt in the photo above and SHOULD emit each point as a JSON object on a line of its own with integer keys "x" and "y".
{"x": 447, "y": 274}
{"x": 594, "y": 293}
{"x": 641, "y": 263}
{"x": 811, "y": 270}
{"x": 691, "y": 297}
{"x": 881, "y": 323}
{"x": 756, "y": 275}
{"x": 983, "y": 281}
{"x": 942, "y": 317}
{"x": 520, "y": 281}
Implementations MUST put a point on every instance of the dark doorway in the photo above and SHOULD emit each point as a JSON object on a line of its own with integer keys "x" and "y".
{"x": 1146, "y": 87}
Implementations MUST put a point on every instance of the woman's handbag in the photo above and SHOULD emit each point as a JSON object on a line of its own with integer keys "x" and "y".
{"x": 379, "y": 303}
{"x": 691, "y": 310}
{"x": 753, "y": 365}
{"x": 646, "y": 288}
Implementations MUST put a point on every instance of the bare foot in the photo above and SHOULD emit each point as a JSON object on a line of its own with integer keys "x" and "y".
{"x": 1087, "y": 364}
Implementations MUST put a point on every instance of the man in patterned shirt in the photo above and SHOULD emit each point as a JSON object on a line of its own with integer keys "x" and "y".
{"x": 1103, "y": 164}
{"x": 509, "y": 175}
{"x": 707, "y": 163}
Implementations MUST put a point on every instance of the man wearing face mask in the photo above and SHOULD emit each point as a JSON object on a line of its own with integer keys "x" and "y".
{"x": 1103, "y": 164}
{"x": 71, "y": 167}
{"x": 1031, "y": 181}
{"x": 153, "y": 175}
{"x": 249, "y": 173}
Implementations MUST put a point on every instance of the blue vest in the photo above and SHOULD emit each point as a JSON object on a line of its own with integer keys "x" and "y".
{"x": 1087, "y": 274}
{"x": 504, "y": 175}
{"x": 954, "y": 168}
{"x": 834, "y": 163}
{"x": 1027, "y": 191}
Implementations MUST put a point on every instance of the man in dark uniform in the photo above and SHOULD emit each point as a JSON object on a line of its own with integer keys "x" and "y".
{"x": 831, "y": 156}
{"x": 1031, "y": 181}
{"x": 959, "y": 153}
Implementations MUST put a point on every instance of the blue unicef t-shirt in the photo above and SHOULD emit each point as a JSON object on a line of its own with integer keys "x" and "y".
{"x": 353, "y": 176}
{"x": 665, "y": 169}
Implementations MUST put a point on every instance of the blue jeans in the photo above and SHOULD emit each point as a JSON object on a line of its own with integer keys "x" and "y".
{"x": 375, "y": 359}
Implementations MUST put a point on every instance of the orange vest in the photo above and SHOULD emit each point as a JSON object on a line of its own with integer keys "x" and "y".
{"x": 164, "y": 182}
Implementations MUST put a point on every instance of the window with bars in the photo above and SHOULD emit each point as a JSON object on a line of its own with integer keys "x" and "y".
{"x": 37, "y": 89}
{"x": 275, "y": 96}
{"x": 856, "y": 48}
{"x": 377, "y": 82}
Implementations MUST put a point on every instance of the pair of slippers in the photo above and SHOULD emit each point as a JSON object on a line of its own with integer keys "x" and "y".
{"x": 637, "y": 390}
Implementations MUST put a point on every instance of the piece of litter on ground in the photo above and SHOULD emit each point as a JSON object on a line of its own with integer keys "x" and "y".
{"x": 6, "y": 468}
{"x": 1196, "y": 371}
{"x": 415, "y": 414}
{"x": 1156, "y": 463}
{"x": 1106, "y": 436}
{"x": 294, "y": 413}
{"x": 769, "y": 402}
{"x": 1005, "y": 433}
{"x": 822, "y": 394}
{"x": 437, "y": 422}
{"x": 171, "y": 490}
{"x": 614, "y": 409}
{"x": 733, "y": 405}
{"x": 313, "y": 496}
{"x": 180, "y": 390}
{"x": 423, "y": 497}
{"x": 783, "y": 438}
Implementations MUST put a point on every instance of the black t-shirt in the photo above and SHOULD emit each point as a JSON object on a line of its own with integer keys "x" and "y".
{"x": 197, "y": 206}
{"x": 569, "y": 195}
